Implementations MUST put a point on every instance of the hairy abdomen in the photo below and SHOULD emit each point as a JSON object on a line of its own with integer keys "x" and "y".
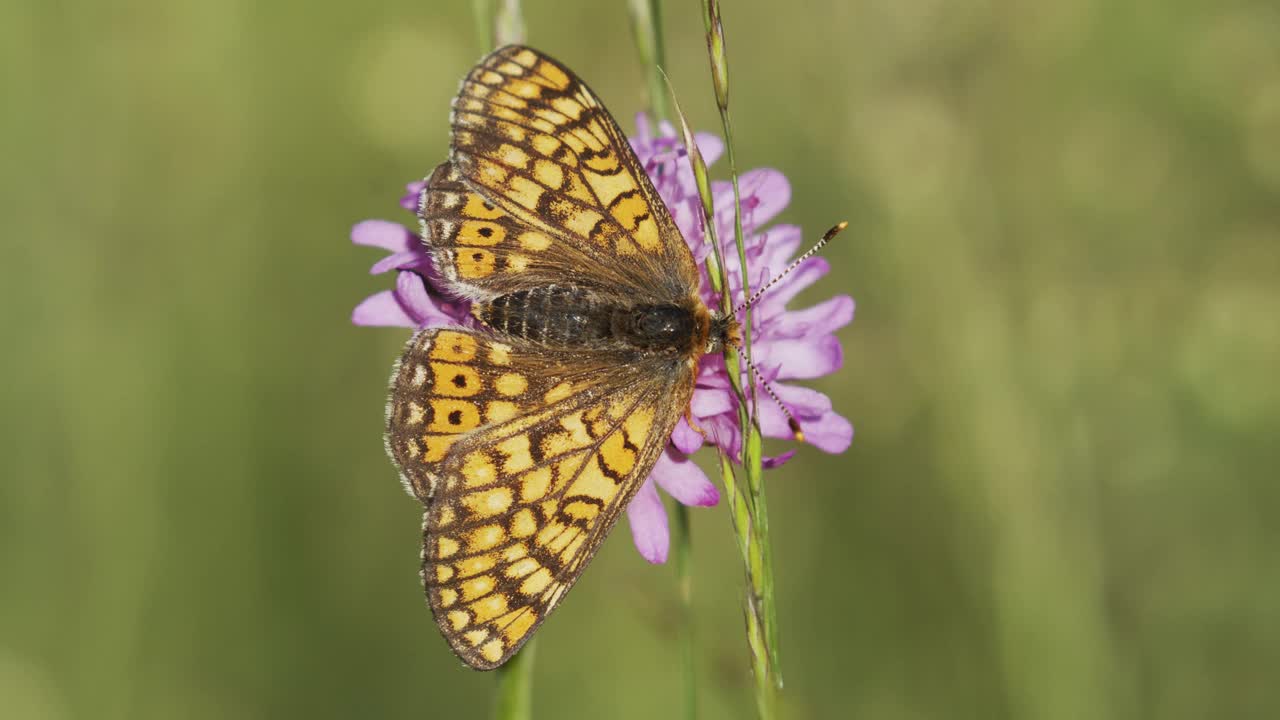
{"x": 555, "y": 315}
{"x": 572, "y": 317}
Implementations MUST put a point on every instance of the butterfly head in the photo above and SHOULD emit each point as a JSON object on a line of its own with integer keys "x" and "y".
{"x": 711, "y": 330}
{"x": 723, "y": 330}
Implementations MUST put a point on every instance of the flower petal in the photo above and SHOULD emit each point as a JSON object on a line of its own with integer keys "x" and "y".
{"x": 805, "y": 402}
{"x": 648, "y": 520}
{"x": 684, "y": 480}
{"x": 398, "y": 261}
{"x": 644, "y": 132}
{"x": 769, "y": 463}
{"x": 413, "y": 191}
{"x": 708, "y": 144}
{"x": 707, "y": 402}
{"x": 426, "y": 311}
{"x": 765, "y": 193}
{"x": 384, "y": 234}
{"x": 725, "y": 432}
{"x": 807, "y": 405}
{"x": 831, "y": 433}
{"x": 777, "y": 246}
{"x": 767, "y": 253}
{"x": 821, "y": 319}
{"x": 711, "y": 147}
{"x": 722, "y": 199}
{"x": 689, "y": 221}
{"x": 685, "y": 438}
{"x": 382, "y": 310}
{"x": 411, "y": 291}
{"x": 802, "y": 277}
{"x": 822, "y": 427}
{"x": 804, "y": 358}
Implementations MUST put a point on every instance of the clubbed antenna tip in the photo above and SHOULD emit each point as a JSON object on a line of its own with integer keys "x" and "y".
{"x": 792, "y": 423}
{"x": 795, "y": 429}
{"x": 826, "y": 238}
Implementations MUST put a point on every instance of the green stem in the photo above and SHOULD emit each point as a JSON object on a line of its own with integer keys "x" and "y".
{"x": 752, "y": 455}
{"x": 766, "y": 691}
{"x": 741, "y": 499}
{"x": 740, "y": 242}
{"x": 646, "y": 30}
{"x": 683, "y": 556}
{"x": 764, "y": 585}
{"x": 515, "y": 686}
{"x": 498, "y": 22}
{"x": 739, "y": 508}
{"x": 741, "y": 512}
{"x": 482, "y": 11}
{"x": 508, "y": 25}
{"x": 762, "y": 626}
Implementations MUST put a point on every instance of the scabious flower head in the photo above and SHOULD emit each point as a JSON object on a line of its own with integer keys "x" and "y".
{"x": 786, "y": 344}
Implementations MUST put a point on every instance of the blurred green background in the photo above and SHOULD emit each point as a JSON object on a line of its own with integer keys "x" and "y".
{"x": 1065, "y": 247}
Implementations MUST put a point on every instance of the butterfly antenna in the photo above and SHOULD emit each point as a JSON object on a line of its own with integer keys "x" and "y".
{"x": 792, "y": 423}
{"x": 808, "y": 254}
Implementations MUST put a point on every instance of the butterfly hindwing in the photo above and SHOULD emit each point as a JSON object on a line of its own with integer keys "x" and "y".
{"x": 524, "y": 456}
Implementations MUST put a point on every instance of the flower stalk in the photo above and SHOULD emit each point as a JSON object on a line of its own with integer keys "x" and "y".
{"x": 498, "y": 22}
{"x": 508, "y": 26}
{"x": 741, "y": 498}
{"x": 482, "y": 13}
{"x": 514, "y": 698}
{"x": 760, "y": 612}
{"x": 646, "y": 30}
{"x": 684, "y": 574}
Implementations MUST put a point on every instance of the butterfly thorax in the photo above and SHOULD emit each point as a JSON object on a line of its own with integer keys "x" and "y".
{"x": 569, "y": 316}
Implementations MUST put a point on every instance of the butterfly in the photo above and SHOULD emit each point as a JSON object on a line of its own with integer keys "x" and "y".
{"x": 527, "y": 435}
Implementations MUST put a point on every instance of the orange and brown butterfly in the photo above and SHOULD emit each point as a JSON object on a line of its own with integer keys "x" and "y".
{"x": 527, "y": 436}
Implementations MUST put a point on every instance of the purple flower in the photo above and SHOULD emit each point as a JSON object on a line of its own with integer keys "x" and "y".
{"x": 414, "y": 302}
{"x": 786, "y": 344}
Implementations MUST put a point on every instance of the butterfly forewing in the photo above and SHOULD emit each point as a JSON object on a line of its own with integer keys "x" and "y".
{"x": 482, "y": 251}
{"x": 534, "y": 139}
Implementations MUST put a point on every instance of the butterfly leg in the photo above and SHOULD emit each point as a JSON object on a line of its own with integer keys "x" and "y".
{"x": 688, "y": 417}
